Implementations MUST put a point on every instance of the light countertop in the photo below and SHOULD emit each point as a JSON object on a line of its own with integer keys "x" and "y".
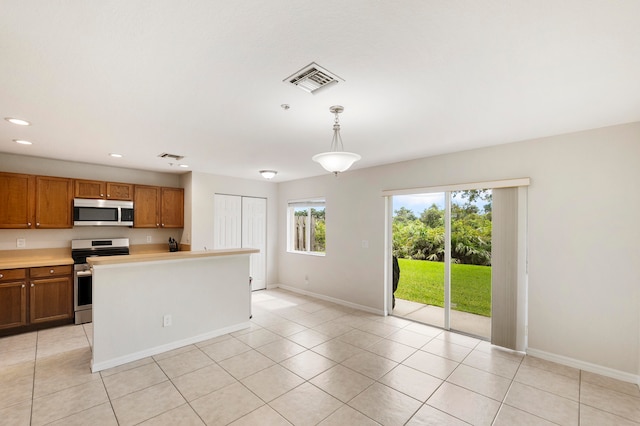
{"x": 150, "y": 257}
{"x": 12, "y": 259}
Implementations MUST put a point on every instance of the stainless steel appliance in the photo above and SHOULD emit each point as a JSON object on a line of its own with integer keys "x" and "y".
{"x": 82, "y": 276}
{"x": 102, "y": 212}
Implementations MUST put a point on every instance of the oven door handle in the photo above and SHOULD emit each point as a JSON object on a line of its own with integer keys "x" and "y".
{"x": 83, "y": 273}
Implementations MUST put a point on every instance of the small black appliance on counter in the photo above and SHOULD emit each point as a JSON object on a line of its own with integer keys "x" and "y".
{"x": 173, "y": 244}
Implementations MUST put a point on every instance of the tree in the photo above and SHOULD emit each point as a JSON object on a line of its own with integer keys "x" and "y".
{"x": 432, "y": 217}
{"x": 404, "y": 215}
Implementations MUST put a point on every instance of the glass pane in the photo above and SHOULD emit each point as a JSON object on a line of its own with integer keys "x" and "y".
{"x": 418, "y": 245}
{"x": 299, "y": 230}
{"x": 317, "y": 230}
{"x": 471, "y": 262}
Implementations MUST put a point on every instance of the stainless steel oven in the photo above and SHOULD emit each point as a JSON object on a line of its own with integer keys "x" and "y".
{"x": 82, "y": 276}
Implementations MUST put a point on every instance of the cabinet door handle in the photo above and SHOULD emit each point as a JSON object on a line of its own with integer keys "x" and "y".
{"x": 29, "y": 224}
{"x": 32, "y": 285}
{"x": 163, "y": 225}
{"x": 102, "y": 195}
{"x": 157, "y": 224}
{"x": 37, "y": 224}
{"x": 108, "y": 195}
{"x": 51, "y": 271}
{"x": 1, "y": 275}
{"x": 22, "y": 285}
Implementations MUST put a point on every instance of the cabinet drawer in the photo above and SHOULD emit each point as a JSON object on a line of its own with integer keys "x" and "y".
{"x": 50, "y": 271}
{"x": 12, "y": 274}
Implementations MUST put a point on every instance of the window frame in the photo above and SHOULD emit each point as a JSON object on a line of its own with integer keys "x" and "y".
{"x": 307, "y": 204}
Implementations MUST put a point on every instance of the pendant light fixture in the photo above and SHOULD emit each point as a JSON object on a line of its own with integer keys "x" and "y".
{"x": 337, "y": 160}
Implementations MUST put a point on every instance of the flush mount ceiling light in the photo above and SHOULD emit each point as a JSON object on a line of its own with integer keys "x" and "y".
{"x": 337, "y": 160}
{"x": 268, "y": 174}
{"x": 22, "y": 142}
{"x": 17, "y": 121}
{"x": 114, "y": 155}
{"x": 184, "y": 166}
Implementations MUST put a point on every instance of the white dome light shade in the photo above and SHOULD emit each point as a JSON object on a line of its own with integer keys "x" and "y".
{"x": 336, "y": 161}
{"x": 268, "y": 174}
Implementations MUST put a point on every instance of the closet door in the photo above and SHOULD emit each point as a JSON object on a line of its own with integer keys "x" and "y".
{"x": 241, "y": 222}
{"x": 254, "y": 233}
{"x": 227, "y": 221}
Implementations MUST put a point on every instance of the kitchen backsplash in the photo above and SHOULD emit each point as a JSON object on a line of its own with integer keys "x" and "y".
{"x": 53, "y": 238}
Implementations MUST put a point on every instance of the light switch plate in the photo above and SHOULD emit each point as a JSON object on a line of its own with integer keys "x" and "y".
{"x": 21, "y": 243}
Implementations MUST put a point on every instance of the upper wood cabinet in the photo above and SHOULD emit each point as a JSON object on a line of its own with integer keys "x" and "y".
{"x": 156, "y": 207}
{"x": 172, "y": 211}
{"x": 146, "y": 207}
{"x": 105, "y": 190}
{"x": 35, "y": 201}
{"x": 54, "y": 198}
{"x": 17, "y": 198}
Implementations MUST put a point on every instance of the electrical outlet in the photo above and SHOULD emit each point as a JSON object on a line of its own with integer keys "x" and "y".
{"x": 166, "y": 320}
{"x": 148, "y": 238}
{"x": 21, "y": 243}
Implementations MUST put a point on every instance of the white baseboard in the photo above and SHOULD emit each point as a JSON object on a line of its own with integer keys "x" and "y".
{"x": 586, "y": 366}
{"x": 329, "y": 299}
{"x": 95, "y": 367}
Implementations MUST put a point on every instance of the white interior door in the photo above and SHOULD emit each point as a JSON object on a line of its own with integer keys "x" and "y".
{"x": 227, "y": 221}
{"x": 254, "y": 235}
{"x": 242, "y": 222}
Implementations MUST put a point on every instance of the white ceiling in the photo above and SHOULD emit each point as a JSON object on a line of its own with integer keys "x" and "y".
{"x": 203, "y": 78}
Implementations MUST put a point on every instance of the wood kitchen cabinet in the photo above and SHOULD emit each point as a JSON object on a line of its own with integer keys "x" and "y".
{"x": 50, "y": 294}
{"x": 96, "y": 189}
{"x": 13, "y": 298}
{"x": 156, "y": 207}
{"x": 17, "y": 199}
{"x": 172, "y": 210}
{"x": 35, "y": 201}
{"x": 53, "y": 202}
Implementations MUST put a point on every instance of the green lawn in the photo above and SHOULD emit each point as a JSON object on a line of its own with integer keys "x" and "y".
{"x": 423, "y": 281}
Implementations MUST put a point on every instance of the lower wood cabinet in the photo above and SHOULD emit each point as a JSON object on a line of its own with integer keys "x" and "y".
{"x": 34, "y": 296}
{"x": 13, "y": 298}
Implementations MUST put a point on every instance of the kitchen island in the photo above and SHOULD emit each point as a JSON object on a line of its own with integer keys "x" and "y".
{"x": 145, "y": 304}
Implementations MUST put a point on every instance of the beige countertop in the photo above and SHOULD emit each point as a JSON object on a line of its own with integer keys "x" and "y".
{"x": 12, "y": 259}
{"x": 151, "y": 257}
{"x": 33, "y": 258}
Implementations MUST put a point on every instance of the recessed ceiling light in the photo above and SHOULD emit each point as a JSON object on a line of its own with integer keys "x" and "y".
{"x": 184, "y": 165}
{"x": 113, "y": 154}
{"x": 22, "y": 142}
{"x": 17, "y": 121}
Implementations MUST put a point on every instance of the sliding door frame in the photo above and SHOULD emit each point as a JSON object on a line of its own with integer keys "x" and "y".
{"x": 521, "y": 284}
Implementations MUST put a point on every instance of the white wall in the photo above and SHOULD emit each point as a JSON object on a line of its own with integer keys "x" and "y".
{"x": 205, "y": 297}
{"x": 198, "y": 228}
{"x": 583, "y": 236}
{"x": 50, "y": 238}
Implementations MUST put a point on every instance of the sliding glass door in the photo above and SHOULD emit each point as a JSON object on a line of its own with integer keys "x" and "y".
{"x": 443, "y": 245}
{"x": 419, "y": 245}
{"x": 471, "y": 229}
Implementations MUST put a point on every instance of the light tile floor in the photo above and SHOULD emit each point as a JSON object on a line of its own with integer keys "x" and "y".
{"x": 305, "y": 362}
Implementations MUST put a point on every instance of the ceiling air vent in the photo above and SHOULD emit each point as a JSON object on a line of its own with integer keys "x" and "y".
{"x": 171, "y": 156}
{"x": 312, "y": 78}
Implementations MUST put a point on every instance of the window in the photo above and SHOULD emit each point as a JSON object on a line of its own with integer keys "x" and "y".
{"x": 306, "y": 225}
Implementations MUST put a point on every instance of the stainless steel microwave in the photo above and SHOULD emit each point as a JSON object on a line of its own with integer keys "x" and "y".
{"x": 102, "y": 212}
